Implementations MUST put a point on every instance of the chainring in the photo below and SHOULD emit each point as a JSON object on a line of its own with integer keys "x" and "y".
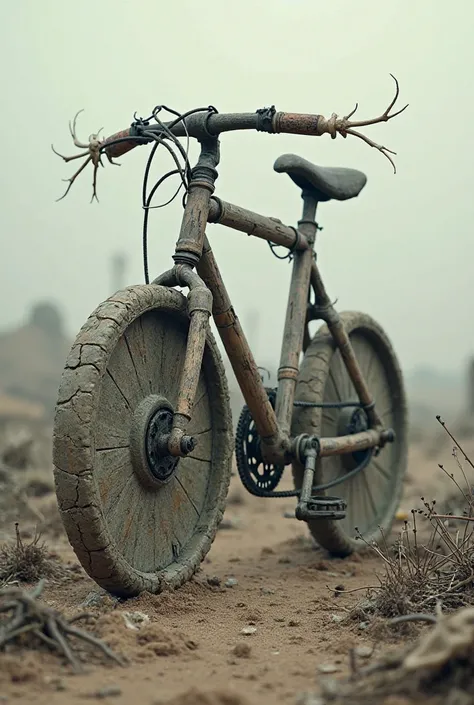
{"x": 258, "y": 477}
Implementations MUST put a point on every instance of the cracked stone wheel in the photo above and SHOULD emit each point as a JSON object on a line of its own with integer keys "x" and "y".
{"x": 373, "y": 495}
{"x": 137, "y": 518}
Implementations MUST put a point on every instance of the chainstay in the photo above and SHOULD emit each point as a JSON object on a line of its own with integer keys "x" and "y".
{"x": 242, "y": 427}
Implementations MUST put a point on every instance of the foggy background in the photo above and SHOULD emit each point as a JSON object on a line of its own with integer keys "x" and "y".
{"x": 401, "y": 252}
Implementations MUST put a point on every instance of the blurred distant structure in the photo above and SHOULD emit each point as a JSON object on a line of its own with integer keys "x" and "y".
{"x": 470, "y": 388}
{"x": 32, "y": 357}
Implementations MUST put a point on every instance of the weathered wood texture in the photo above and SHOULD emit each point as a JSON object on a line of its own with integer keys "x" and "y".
{"x": 128, "y": 537}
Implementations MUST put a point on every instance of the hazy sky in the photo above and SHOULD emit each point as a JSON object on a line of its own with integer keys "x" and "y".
{"x": 403, "y": 251}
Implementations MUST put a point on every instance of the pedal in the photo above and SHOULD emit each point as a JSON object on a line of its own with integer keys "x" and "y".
{"x": 321, "y": 508}
{"x": 313, "y": 507}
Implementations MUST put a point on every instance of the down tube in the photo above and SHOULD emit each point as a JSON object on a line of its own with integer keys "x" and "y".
{"x": 241, "y": 358}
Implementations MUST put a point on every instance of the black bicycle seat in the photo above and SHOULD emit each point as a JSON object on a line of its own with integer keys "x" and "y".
{"x": 325, "y": 182}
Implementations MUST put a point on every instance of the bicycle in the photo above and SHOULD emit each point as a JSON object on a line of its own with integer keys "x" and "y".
{"x": 143, "y": 437}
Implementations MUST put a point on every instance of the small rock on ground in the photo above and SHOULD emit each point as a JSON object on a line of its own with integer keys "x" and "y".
{"x": 248, "y": 630}
{"x": 228, "y": 523}
{"x": 242, "y": 650}
{"x": 328, "y": 668}
{"x": 106, "y": 692}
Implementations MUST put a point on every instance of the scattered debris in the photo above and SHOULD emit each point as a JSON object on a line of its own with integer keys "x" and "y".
{"x": 231, "y": 582}
{"x": 94, "y": 599}
{"x": 229, "y": 524}
{"x": 328, "y": 668}
{"x": 17, "y": 452}
{"x": 439, "y": 665}
{"x": 109, "y": 691}
{"x": 308, "y": 699}
{"x": 248, "y": 630}
{"x": 242, "y": 650}
{"x": 195, "y": 696}
{"x": 25, "y": 562}
{"x": 25, "y": 621}
{"x": 135, "y": 620}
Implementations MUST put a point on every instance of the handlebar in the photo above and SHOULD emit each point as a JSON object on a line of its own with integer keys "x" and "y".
{"x": 202, "y": 125}
{"x": 206, "y": 123}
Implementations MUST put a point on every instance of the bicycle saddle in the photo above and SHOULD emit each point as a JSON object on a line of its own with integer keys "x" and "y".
{"x": 325, "y": 183}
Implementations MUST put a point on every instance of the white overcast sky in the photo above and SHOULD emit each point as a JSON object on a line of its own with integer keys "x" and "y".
{"x": 403, "y": 251}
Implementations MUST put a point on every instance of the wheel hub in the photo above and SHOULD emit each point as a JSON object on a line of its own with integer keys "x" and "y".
{"x": 151, "y": 426}
{"x": 160, "y": 462}
{"x": 353, "y": 420}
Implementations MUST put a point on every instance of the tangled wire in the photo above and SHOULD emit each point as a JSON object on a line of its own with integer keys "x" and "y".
{"x": 178, "y": 153}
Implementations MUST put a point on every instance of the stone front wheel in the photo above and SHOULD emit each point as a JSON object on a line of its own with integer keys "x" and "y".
{"x": 137, "y": 518}
{"x": 373, "y": 495}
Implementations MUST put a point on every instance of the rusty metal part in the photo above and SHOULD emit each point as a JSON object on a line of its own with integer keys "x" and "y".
{"x": 341, "y": 445}
{"x": 326, "y": 311}
{"x": 297, "y": 124}
{"x": 275, "y": 442}
{"x": 295, "y": 317}
{"x": 123, "y": 145}
{"x": 264, "y": 227}
{"x": 200, "y": 308}
{"x": 201, "y": 187}
{"x": 152, "y": 419}
{"x": 265, "y": 119}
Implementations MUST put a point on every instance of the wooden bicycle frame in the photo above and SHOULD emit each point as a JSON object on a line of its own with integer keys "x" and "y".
{"x": 193, "y": 249}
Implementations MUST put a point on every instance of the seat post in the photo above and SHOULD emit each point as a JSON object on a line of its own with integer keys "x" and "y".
{"x": 307, "y": 224}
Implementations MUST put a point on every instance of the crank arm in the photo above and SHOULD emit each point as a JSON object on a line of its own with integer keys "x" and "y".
{"x": 308, "y": 448}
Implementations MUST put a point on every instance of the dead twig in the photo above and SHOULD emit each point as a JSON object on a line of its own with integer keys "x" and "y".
{"x": 420, "y": 617}
{"x": 452, "y": 516}
{"x": 344, "y": 126}
{"x": 23, "y": 616}
{"x": 93, "y": 154}
{"x": 466, "y": 457}
{"x": 348, "y": 592}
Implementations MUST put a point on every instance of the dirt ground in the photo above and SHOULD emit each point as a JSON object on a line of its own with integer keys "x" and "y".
{"x": 260, "y": 623}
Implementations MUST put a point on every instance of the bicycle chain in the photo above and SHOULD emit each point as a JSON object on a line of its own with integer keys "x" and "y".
{"x": 249, "y": 457}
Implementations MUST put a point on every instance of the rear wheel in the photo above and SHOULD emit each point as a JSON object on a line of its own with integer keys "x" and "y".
{"x": 137, "y": 518}
{"x": 372, "y": 495}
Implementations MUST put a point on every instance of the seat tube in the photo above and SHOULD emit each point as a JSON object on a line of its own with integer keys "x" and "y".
{"x": 296, "y": 315}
